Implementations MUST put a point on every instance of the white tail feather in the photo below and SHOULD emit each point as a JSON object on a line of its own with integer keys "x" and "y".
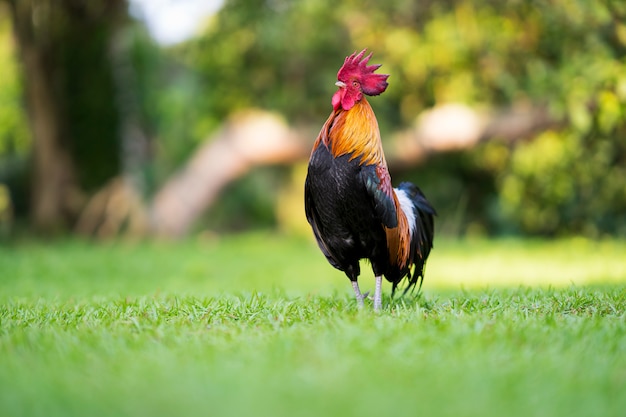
{"x": 407, "y": 207}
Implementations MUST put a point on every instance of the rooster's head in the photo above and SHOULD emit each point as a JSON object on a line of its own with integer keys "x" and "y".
{"x": 356, "y": 78}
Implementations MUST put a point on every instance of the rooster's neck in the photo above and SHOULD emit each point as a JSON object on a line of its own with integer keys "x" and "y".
{"x": 355, "y": 132}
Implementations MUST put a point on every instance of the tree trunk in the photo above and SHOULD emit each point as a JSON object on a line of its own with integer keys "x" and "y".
{"x": 53, "y": 172}
{"x": 64, "y": 51}
{"x": 249, "y": 139}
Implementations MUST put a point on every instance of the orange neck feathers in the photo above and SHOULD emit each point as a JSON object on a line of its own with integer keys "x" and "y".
{"x": 354, "y": 131}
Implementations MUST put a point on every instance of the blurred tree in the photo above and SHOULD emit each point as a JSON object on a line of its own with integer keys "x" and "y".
{"x": 65, "y": 49}
{"x": 572, "y": 179}
{"x": 560, "y": 61}
{"x": 564, "y": 58}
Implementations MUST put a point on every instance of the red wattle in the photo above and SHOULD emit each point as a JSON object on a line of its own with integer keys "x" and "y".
{"x": 337, "y": 98}
{"x": 344, "y": 99}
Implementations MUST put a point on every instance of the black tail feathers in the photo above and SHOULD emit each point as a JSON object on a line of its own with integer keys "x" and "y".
{"x": 423, "y": 234}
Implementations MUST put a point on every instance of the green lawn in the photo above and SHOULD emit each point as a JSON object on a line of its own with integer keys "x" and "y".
{"x": 261, "y": 325}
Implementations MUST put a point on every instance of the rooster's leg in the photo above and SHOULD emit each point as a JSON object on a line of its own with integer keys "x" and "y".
{"x": 357, "y": 294}
{"x": 378, "y": 296}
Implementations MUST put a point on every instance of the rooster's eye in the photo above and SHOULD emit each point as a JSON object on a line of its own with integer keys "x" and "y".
{"x": 355, "y": 83}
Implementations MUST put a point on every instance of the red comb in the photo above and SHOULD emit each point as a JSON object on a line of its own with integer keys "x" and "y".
{"x": 355, "y": 66}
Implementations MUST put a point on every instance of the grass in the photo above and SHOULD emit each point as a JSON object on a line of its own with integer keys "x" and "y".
{"x": 260, "y": 325}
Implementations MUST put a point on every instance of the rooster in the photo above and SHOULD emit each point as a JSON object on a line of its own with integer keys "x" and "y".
{"x": 354, "y": 211}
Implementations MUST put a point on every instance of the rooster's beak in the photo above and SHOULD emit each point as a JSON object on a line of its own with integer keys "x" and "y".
{"x": 340, "y": 84}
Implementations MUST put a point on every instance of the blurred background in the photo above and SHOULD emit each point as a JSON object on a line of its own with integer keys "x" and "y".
{"x": 170, "y": 118}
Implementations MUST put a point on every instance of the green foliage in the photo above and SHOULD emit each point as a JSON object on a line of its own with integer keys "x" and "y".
{"x": 253, "y": 54}
{"x": 567, "y": 182}
{"x": 261, "y": 325}
{"x": 573, "y": 180}
{"x": 14, "y": 136}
